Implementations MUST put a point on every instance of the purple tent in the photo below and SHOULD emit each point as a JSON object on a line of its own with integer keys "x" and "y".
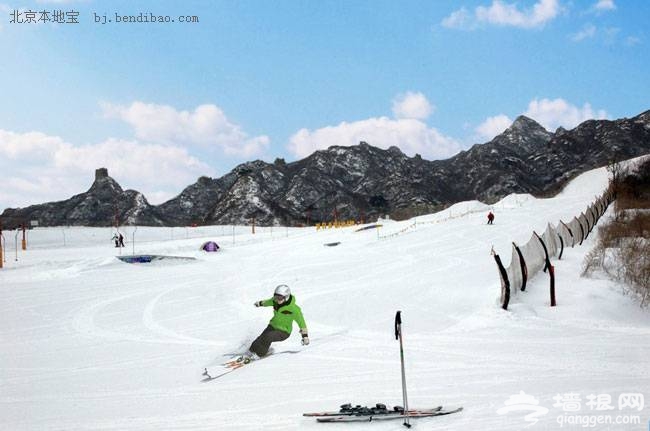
{"x": 210, "y": 246}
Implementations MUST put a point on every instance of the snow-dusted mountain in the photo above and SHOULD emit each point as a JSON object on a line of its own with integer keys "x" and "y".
{"x": 362, "y": 181}
{"x": 101, "y": 205}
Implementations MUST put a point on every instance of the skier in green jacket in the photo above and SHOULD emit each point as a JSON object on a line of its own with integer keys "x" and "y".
{"x": 285, "y": 312}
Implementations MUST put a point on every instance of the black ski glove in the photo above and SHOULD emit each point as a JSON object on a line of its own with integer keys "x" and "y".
{"x": 305, "y": 338}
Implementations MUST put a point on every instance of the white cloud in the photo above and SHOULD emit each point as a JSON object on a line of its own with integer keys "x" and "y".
{"x": 207, "y": 126}
{"x": 504, "y": 14}
{"x": 587, "y": 32}
{"x": 460, "y": 19}
{"x": 412, "y": 105}
{"x": 410, "y": 135}
{"x": 28, "y": 147}
{"x": 558, "y": 112}
{"x": 133, "y": 161}
{"x": 492, "y": 127}
{"x": 551, "y": 114}
{"x": 40, "y": 168}
{"x": 605, "y": 5}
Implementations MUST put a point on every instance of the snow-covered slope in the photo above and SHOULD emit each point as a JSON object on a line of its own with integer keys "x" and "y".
{"x": 89, "y": 342}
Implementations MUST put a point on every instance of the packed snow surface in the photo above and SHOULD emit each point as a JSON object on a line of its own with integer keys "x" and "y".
{"x": 88, "y": 342}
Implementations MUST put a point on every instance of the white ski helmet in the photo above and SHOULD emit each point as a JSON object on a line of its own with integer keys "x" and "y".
{"x": 282, "y": 293}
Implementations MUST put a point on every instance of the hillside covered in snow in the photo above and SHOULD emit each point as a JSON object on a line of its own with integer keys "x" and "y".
{"x": 90, "y": 342}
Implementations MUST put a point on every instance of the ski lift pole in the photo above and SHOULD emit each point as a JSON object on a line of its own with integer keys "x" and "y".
{"x": 398, "y": 336}
{"x": 16, "y": 243}
{"x": 133, "y": 239}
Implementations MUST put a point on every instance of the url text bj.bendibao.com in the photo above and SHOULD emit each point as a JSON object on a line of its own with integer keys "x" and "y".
{"x": 143, "y": 17}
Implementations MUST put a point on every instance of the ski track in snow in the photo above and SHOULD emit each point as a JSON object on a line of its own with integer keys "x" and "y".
{"x": 89, "y": 342}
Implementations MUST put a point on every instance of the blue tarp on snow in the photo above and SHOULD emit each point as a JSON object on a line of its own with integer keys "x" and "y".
{"x": 148, "y": 258}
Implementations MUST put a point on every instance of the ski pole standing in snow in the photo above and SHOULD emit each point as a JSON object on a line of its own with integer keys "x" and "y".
{"x": 398, "y": 336}
{"x": 132, "y": 240}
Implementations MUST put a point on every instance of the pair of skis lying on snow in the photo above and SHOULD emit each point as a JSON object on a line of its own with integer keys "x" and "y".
{"x": 377, "y": 413}
{"x": 347, "y": 413}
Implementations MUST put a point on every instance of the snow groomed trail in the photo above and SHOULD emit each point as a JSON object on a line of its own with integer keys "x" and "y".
{"x": 89, "y": 342}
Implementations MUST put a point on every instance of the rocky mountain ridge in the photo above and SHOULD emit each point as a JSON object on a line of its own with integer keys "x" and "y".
{"x": 361, "y": 181}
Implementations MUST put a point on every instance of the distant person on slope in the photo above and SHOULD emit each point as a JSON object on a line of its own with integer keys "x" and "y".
{"x": 490, "y": 218}
{"x": 285, "y": 312}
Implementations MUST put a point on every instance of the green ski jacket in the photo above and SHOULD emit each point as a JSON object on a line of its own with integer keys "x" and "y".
{"x": 285, "y": 314}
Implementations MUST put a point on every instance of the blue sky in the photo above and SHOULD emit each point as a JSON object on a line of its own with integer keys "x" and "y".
{"x": 160, "y": 104}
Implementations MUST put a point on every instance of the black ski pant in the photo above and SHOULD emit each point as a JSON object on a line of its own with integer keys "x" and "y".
{"x": 263, "y": 342}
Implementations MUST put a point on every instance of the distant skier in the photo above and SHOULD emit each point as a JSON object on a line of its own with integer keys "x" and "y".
{"x": 121, "y": 240}
{"x": 285, "y": 312}
{"x": 490, "y": 218}
{"x": 117, "y": 240}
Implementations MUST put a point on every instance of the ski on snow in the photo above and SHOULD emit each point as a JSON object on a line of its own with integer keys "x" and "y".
{"x": 379, "y": 409}
{"x": 234, "y": 364}
{"x": 227, "y": 368}
{"x": 413, "y": 413}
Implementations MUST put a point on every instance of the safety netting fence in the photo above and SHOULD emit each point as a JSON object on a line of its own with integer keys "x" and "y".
{"x": 533, "y": 257}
